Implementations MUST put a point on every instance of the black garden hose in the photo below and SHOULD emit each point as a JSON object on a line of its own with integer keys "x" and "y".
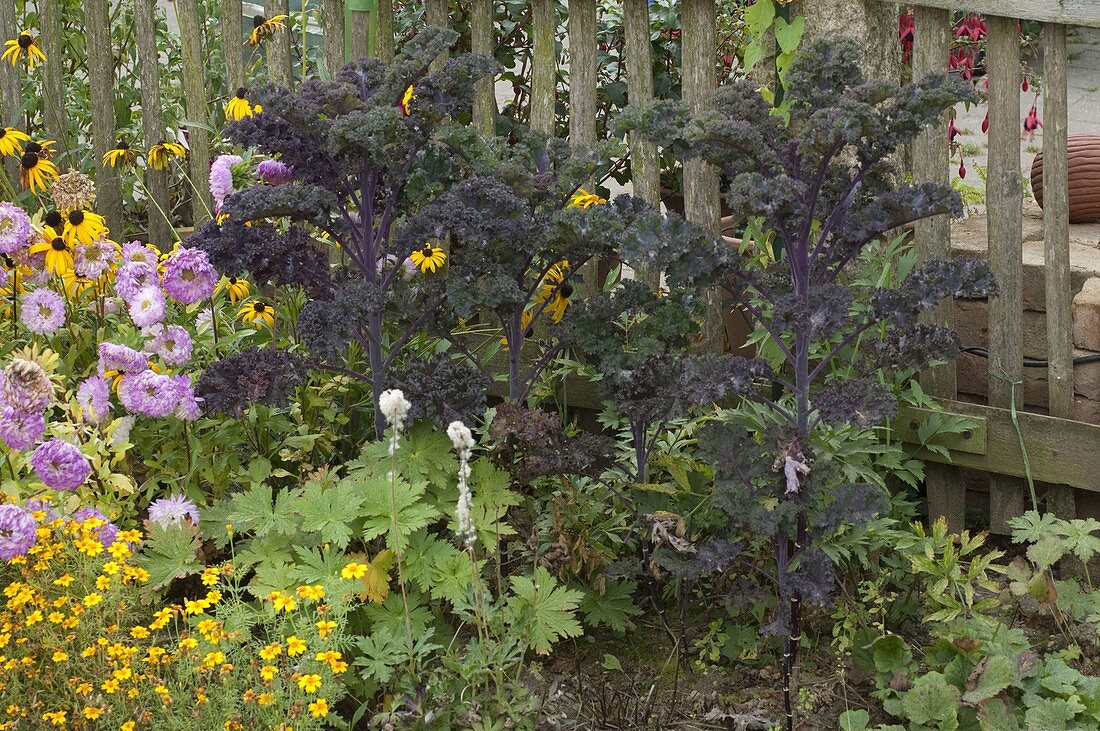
{"x": 1036, "y": 362}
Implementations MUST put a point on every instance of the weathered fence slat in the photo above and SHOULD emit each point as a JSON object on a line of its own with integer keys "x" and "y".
{"x": 701, "y": 195}
{"x": 101, "y": 94}
{"x": 1059, "y": 291}
{"x": 53, "y": 108}
{"x": 482, "y": 41}
{"x": 232, "y": 40}
{"x": 385, "y": 44}
{"x": 332, "y": 23}
{"x": 1068, "y": 12}
{"x": 10, "y": 91}
{"x": 932, "y": 238}
{"x": 582, "y": 73}
{"x": 196, "y": 107}
{"x": 152, "y": 119}
{"x": 544, "y": 64}
{"x": 435, "y": 13}
{"x": 1004, "y": 203}
{"x": 278, "y": 46}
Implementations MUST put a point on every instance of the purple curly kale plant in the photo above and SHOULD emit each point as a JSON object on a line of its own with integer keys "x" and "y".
{"x": 822, "y": 187}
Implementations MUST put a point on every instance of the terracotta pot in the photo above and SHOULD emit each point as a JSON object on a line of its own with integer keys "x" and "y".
{"x": 1084, "y": 178}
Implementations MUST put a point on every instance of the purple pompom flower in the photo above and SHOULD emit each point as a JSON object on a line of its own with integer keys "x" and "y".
{"x": 139, "y": 251}
{"x": 147, "y": 306}
{"x": 93, "y": 259}
{"x": 173, "y": 510}
{"x": 17, "y": 532}
{"x": 94, "y": 396}
{"x": 43, "y": 311}
{"x": 15, "y": 228}
{"x": 188, "y": 276}
{"x": 107, "y": 532}
{"x": 61, "y": 465}
{"x": 3, "y": 277}
{"x": 132, "y": 277}
{"x": 274, "y": 172}
{"x": 149, "y": 394}
{"x": 173, "y": 345}
{"x": 21, "y": 429}
{"x": 221, "y": 178}
{"x": 187, "y": 406}
{"x": 115, "y": 357}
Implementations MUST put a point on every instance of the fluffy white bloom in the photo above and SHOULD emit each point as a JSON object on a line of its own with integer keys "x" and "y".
{"x": 463, "y": 441}
{"x": 121, "y": 433}
{"x": 395, "y": 407}
{"x": 460, "y": 435}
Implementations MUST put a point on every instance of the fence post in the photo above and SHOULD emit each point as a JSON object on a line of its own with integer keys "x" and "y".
{"x": 932, "y": 238}
{"x": 332, "y": 23}
{"x": 196, "y": 107}
{"x": 544, "y": 74}
{"x": 1004, "y": 205}
{"x": 101, "y": 93}
{"x": 10, "y": 86}
{"x": 53, "y": 108}
{"x": 1059, "y": 291}
{"x": 232, "y": 37}
{"x": 701, "y": 201}
{"x": 482, "y": 41}
{"x": 645, "y": 170}
{"x": 359, "y": 19}
{"x": 384, "y": 44}
{"x": 152, "y": 119}
{"x": 435, "y": 14}
{"x": 278, "y": 47}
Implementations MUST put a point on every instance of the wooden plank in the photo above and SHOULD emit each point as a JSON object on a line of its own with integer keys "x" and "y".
{"x": 332, "y": 23}
{"x": 544, "y": 63}
{"x": 1004, "y": 203}
{"x": 101, "y": 94}
{"x": 582, "y": 106}
{"x": 278, "y": 46}
{"x": 435, "y": 13}
{"x": 1060, "y": 451}
{"x": 152, "y": 120}
{"x": 1059, "y": 291}
{"x": 232, "y": 39}
{"x": 482, "y": 40}
{"x": 932, "y": 238}
{"x": 196, "y": 106}
{"x": 53, "y": 90}
{"x": 384, "y": 43}
{"x": 1068, "y": 12}
{"x": 10, "y": 87}
{"x": 701, "y": 195}
{"x": 645, "y": 171}
{"x": 359, "y": 31}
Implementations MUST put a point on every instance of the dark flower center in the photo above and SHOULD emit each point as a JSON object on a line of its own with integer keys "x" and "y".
{"x": 232, "y": 281}
{"x": 260, "y": 307}
{"x": 242, "y": 92}
{"x": 34, "y": 147}
{"x": 29, "y": 160}
{"x": 3, "y": 131}
{"x": 566, "y": 291}
{"x": 25, "y": 41}
{"x": 123, "y": 145}
{"x": 58, "y": 244}
{"x": 427, "y": 252}
{"x": 54, "y": 219}
{"x": 76, "y": 218}
{"x": 258, "y": 20}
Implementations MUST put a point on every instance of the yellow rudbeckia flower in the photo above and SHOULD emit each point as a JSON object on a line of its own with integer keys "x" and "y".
{"x": 161, "y": 153}
{"x": 428, "y": 259}
{"x": 264, "y": 28}
{"x": 122, "y": 153}
{"x": 257, "y": 310}
{"x": 11, "y": 141}
{"x": 36, "y": 172}
{"x": 239, "y": 107}
{"x": 83, "y": 227}
{"x": 59, "y": 256}
{"x": 23, "y": 46}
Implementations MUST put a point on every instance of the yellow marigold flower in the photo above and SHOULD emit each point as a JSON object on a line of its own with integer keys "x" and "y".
{"x": 583, "y": 199}
{"x": 257, "y": 310}
{"x": 210, "y": 577}
{"x": 264, "y": 28}
{"x": 56, "y": 718}
{"x": 188, "y": 643}
{"x": 337, "y": 667}
{"x": 123, "y": 674}
{"x": 128, "y": 726}
{"x": 84, "y": 688}
{"x": 239, "y": 107}
{"x": 139, "y": 632}
{"x": 92, "y": 713}
{"x": 194, "y": 606}
{"x": 129, "y": 536}
{"x": 36, "y": 616}
{"x": 88, "y": 651}
{"x": 268, "y": 672}
{"x": 324, "y": 627}
{"x": 316, "y": 592}
{"x": 56, "y": 617}
{"x": 295, "y": 646}
{"x": 11, "y": 142}
{"x": 60, "y": 656}
{"x": 282, "y": 602}
{"x": 122, "y": 153}
{"x": 213, "y": 597}
{"x": 265, "y": 699}
{"x": 353, "y": 571}
{"x": 119, "y": 550}
{"x": 111, "y": 568}
{"x": 136, "y": 573}
{"x": 109, "y": 686}
{"x": 159, "y": 154}
{"x": 310, "y": 683}
{"x": 318, "y": 708}
{"x": 428, "y": 258}
{"x": 92, "y": 599}
{"x": 271, "y": 651}
{"x": 102, "y": 583}
{"x": 25, "y": 46}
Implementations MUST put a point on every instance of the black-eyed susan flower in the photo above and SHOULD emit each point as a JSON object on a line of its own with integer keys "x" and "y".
{"x": 25, "y": 46}
{"x": 42, "y": 148}
{"x": 36, "y": 172}
{"x": 555, "y": 291}
{"x": 122, "y": 153}
{"x": 58, "y": 255}
{"x": 11, "y": 141}
{"x": 264, "y": 28}
{"x": 83, "y": 227}
{"x": 583, "y": 199}
{"x": 257, "y": 311}
{"x": 237, "y": 289}
{"x": 239, "y": 106}
{"x": 161, "y": 153}
{"x": 429, "y": 258}
{"x": 406, "y": 101}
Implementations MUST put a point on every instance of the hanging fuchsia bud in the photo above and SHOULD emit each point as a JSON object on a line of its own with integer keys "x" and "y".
{"x": 985, "y": 124}
{"x": 1023, "y": 86}
{"x": 962, "y": 169}
{"x": 952, "y": 131}
{"x": 1032, "y": 123}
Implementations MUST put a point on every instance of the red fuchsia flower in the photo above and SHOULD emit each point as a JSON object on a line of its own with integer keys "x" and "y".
{"x": 906, "y": 32}
{"x": 985, "y": 124}
{"x": 962, "y": 168}
{"x": 962, "y": 60}
{"x": 973, "y": 27}
{"x": 1023, "y": 86}
{"x": 1032, "y": 123}
{"x": 952, "y": 131}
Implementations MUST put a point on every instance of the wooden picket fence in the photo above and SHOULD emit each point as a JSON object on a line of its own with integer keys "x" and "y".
{"x": 1050, "y": 449}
